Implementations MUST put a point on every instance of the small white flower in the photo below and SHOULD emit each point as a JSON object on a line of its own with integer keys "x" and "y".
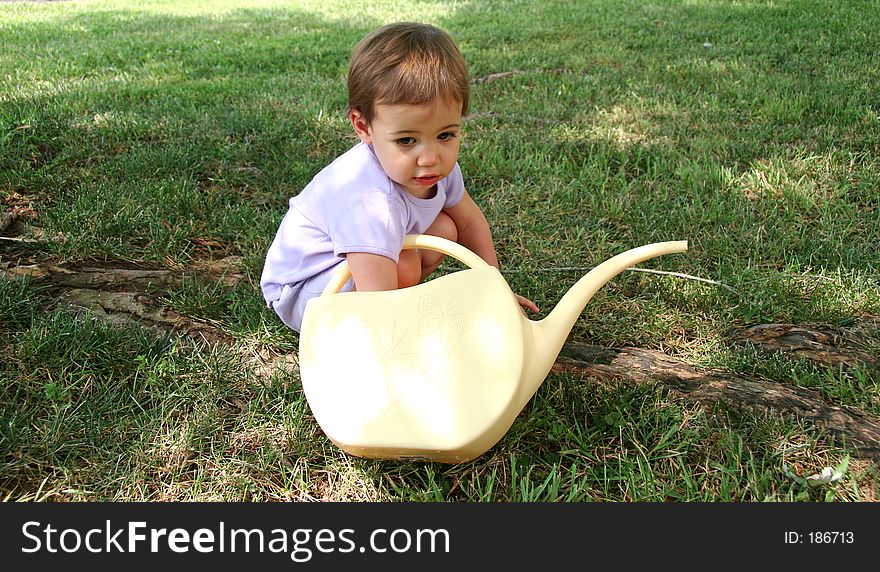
{"x": 825, "y": 476}
{"x": 829, "y": 475}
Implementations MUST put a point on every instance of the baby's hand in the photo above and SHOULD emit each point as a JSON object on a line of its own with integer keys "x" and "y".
{"x": 526, "y": 303}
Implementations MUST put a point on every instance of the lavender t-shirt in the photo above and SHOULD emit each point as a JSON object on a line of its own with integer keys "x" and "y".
{"x": 350, "y": 206}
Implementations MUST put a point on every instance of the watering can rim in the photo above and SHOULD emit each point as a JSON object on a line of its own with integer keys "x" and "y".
{"x": 428, "y": 241}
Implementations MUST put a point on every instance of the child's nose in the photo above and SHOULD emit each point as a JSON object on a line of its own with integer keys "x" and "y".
{"x": 428, "y": 158}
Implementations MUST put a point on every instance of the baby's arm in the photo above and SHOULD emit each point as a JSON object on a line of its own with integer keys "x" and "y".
{"x": 474, "y": 234}
{"x": 372, "y": 272}
{"x": 473, "y": 229}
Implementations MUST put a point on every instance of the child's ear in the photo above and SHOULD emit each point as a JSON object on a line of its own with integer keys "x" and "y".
{"x": 361, "y": 127}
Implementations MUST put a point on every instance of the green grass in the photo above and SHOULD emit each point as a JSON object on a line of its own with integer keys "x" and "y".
{"x": 165, "y": 134}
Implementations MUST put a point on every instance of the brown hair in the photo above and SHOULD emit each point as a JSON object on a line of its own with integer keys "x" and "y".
{"x": 406, "y": 63}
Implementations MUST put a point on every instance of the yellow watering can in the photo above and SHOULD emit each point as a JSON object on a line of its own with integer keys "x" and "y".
{"x": 437, "y": 371}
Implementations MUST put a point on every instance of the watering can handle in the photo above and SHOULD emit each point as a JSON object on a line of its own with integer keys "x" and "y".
{"x": 427, "y": 241}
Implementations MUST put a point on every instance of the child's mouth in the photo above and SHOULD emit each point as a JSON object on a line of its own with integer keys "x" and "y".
{"x": 427, "y": 180}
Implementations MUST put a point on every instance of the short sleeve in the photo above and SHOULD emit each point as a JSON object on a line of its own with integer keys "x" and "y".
{"x": 454, "y": 187}
{"x": 373, "y": 222}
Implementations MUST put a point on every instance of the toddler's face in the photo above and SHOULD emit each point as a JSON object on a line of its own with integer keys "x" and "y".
{"x": 417, "y": 145}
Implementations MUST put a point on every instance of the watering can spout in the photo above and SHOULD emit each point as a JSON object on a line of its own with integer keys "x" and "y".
{"x": 548, "y": 335}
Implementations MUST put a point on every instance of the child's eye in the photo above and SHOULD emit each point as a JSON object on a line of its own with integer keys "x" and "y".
{"x": 405, "y": 141}
{"x": 447, "y": 135}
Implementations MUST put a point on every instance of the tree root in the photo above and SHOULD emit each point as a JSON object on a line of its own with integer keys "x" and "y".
{"x": 857, "y": 429}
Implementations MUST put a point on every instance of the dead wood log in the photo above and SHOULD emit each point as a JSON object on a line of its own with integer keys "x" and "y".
{"x": 128, "y": 308}
{"x": 856, "y": 428}
{"x": 126, "y": 297}
{"x": 7, "y": 219}
{"x": 822, "y": 343}
{"x": 115, "y": 279}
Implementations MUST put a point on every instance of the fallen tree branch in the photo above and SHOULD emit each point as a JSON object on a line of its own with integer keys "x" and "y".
{"x": 822, "y": 343}
{"x": 119, "y": 279}
{"x": 634, "y": 365}
{"x": 129, "y": 308}
{"x": 7, "y": 219}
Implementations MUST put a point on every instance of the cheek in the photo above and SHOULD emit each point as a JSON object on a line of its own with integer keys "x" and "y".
{"x": 393, "y": 162}
{"x": 401, "y": 160}
{"x": 452, "y": 153}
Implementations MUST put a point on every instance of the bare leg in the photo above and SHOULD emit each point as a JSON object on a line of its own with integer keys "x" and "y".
{"x": 415, "y": 264}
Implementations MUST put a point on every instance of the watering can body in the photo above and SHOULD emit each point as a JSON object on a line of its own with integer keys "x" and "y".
{"x": 437, "y": 371}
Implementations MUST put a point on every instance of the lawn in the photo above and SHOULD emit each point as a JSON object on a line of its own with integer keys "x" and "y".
{"x": 168, "y": 136}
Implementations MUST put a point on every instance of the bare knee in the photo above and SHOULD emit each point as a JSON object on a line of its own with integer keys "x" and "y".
{"x": 444, "y": 227}
{"x": 409, "y": 269}
{"x": 415, "y": 265}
